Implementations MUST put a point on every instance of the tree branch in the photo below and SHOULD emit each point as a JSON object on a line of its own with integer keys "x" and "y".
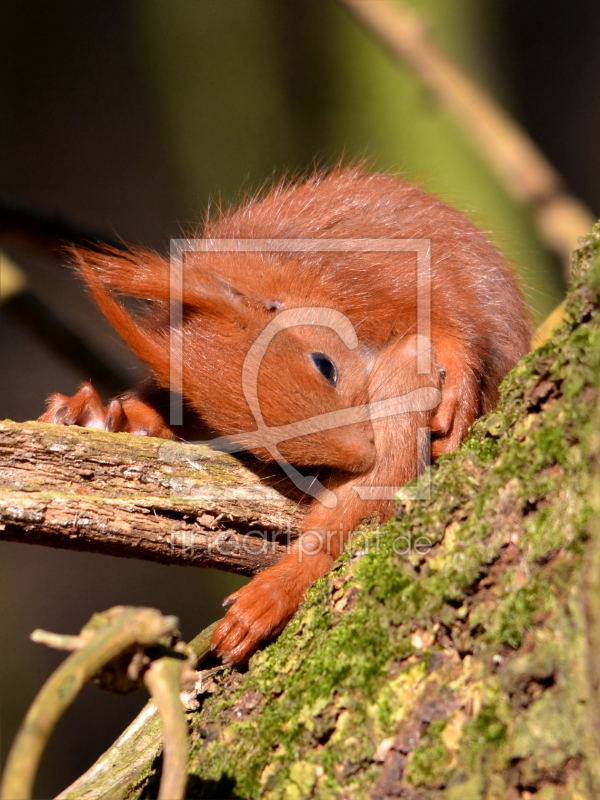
{"x": 48, "y": 229}
{"x": 138, "y": 497}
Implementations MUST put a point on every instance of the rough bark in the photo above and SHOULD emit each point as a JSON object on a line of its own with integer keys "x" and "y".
{"x": 468, "y": 672}
{"x": 137, "y": 497}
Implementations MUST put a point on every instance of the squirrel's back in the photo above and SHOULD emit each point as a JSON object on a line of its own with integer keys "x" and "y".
{"x": 471, "y": 284}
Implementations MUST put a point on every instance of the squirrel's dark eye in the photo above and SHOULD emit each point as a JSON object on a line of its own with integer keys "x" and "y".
{"x": 325, "y": 366}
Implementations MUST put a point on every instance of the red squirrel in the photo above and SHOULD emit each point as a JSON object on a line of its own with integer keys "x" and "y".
{"x": 474, "y": 315}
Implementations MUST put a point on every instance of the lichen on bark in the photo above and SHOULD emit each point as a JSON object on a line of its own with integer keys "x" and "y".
{"x": 469, "y": 671}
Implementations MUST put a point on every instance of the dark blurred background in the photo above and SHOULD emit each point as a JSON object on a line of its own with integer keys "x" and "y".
{"x": 130, "y": 118}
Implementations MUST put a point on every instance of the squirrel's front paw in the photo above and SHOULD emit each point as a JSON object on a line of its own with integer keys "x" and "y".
{"x": 84, "y": 409}
{"x": 259, "y": 611}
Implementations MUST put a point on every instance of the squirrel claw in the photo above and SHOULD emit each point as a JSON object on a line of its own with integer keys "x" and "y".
{"x": 60, "y": 416}
{"x": 229, "y": 601}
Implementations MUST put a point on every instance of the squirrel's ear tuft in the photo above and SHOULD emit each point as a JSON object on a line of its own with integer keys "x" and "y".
{"x": 134, "y": 273}
{"x": 146, "y": 275}
{"x": 140, "y": 273}
{"x": 112, "y": 274}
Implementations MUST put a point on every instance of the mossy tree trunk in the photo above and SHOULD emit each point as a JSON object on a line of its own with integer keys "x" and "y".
{"x": 468, "y": 672}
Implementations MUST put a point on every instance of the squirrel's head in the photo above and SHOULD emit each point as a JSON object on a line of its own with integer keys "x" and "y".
{"x": 284, "y": 382}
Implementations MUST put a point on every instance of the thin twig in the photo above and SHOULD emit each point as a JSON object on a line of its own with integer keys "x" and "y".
{"x": 48, "y": 229}
{"x": 35, "y": 316}
{"x": 163, "y": 681}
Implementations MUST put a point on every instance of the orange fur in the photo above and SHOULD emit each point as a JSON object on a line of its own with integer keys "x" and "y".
{"x": 479, "y": 330}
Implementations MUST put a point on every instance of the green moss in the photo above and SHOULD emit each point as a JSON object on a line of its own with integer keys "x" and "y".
{"x": 483, "y": 740}
{"x": 487, "y": 728}
{"x": 515, "y": 614}
{"x": 430, "y": 762}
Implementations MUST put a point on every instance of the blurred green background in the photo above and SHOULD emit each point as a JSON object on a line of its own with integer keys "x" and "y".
{"x": 133, "y": 117}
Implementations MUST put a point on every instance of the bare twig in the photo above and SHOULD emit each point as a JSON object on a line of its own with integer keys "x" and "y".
{"x": 33, "y": 313}
{"x": 137, "y": 747}
{"x": 58, "y": 641}
{"x": 514, "y": 157}
{"x": 549, "y": 325}
{"x": 108, "y": 635}
{"x": 163, "y": 680}
{"x": 137, "y": 497}
{"x": 48, "y": 229}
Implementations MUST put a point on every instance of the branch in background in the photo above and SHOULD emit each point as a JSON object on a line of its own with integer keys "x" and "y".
{"x": 35, "y": 316}
{"x": 115, "y": 645}
{"x": 132, "y": 755}
{"x": 516, "y": 160}
{"x": 47, "y": 229}
{"x": 32, "y": 313}
{"x": 138, "y": 497}
{"x": 51, "y": 233}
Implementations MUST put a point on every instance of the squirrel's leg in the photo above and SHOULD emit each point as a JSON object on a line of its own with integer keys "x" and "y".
{"x": 262, "y": 608}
